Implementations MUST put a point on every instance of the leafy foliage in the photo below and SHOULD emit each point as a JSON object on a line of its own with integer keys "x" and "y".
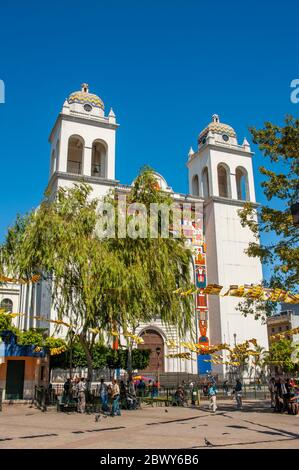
{"x": 101, "y": 284}
{"x": 5, "y": 321}
{"x": 279, "y": 355}
{"x": 261, "y": 309}
{"x": 31, "y": 337}
{"x": 280, "y": 145}
{"x": 102, "y": 356}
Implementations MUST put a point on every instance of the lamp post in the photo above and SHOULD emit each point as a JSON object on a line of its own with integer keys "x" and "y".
{"x": 235, "y": 367}
{"x": 158, "y": 351}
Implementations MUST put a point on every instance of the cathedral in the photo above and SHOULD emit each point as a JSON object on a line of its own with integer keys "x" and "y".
{"x": 220, "y": 173}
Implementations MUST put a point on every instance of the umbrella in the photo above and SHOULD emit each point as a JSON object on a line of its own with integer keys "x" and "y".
{"x": 141, "y": 377}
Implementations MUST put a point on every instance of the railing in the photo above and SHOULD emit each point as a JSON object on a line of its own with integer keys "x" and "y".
{"x": 249, "y": 392}
{"x": 59, "y": 390}
{"x": 74, "y": 167}
{"x": 44, "y": 397}
{"x": 96, "y": 170}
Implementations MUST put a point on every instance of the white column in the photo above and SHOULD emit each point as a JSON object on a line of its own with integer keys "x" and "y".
{"x": 62, "y": 158}
{"x": 87, "y": 161}
{"x": 233, "y": 185}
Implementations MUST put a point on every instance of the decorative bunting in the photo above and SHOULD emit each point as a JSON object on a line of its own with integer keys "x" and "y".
{"x": 293, "y": 331}
{"x": 247, "y": 290}
{"x": 35, "y": 278}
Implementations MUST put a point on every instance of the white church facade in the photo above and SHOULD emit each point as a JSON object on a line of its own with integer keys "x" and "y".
{"x": 82, "y": 145}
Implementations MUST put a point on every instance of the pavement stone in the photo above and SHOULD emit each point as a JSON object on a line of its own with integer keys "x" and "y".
{"x": 253, "y": 427}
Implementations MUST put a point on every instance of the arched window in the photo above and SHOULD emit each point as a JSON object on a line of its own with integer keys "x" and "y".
{"x": 223, "y": 180}
{"x": 205, "y": 183}
{"x": 195, "y": 186}
{"x": 7, "y": 305}
{"x": 75, "y": 155}
{"x": 98, "y": 161}
{"x": 242, "y": 184}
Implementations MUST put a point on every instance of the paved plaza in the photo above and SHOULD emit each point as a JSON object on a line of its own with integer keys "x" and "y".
{"x": 256, "y": 426}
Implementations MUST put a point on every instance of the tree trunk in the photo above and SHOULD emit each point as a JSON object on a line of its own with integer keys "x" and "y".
{"x": 88, "y": 359}
{"x": 129, "y": 362}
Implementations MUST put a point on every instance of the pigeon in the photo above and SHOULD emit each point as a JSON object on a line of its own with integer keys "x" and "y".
{"x": 166, "y": 411}
{"x": 208, "y": 443}
{"x": 97, "y": 418}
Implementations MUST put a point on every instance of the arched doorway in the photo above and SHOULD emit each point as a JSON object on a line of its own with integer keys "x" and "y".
{"x": 152, "y": 340}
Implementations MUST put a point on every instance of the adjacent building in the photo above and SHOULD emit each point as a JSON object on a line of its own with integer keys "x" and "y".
{"x": 286, "y": 319}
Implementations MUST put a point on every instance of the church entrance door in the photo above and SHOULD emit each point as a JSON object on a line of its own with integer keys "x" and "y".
{"x": 152, "y": 340}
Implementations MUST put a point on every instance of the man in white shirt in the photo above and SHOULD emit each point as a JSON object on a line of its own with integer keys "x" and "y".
{"x": 115, "y": 398}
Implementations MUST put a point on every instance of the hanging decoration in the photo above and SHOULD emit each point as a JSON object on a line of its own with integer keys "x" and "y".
{"x": 35, "y": 278}
{"x": 181, "y": 356}
{"x": 247, "y": 290}
{"x": 281, "y": 335}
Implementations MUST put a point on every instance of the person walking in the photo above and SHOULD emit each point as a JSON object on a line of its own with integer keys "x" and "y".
{"x": 238, "y": 394}
{"x": 212, "y": 392}
{"x": 131, "y": 388}
{"x": 81, "y": 388}
{"x": 103, "y": 393}
{"x": 141, "y": 388}
{"x": 115, "y": 395}
{"x": 278, "y": 395}
{"x": 67, "y": 387}
{"x": 271, "y": 387}
{"x": 285, "y": 390}
{"x": 225, "y": 387}
{"x": 193, "y": 394}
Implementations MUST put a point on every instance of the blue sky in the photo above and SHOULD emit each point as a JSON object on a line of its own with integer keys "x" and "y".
{"x": 164, "y": 66}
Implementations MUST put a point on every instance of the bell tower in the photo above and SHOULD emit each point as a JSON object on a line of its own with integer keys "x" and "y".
{"x": 83, "y": 143}
{"x": 220, "y": 171}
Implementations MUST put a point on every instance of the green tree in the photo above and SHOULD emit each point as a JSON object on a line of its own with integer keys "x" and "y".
{"x": 154, "y": 267}
{"x": 280, "y": 356}
{"x": 140, "y": 358}
{"x": 5, "y": 321}
{"x": 280, "y": 145}
{"x": 99, "y": 284}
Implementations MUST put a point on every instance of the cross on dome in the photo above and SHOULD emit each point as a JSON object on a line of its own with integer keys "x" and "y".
{"x": 85, "y": 87}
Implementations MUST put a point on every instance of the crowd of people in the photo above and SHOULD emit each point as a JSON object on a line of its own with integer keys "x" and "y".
{"x": 114, "y": 396}
{"x": 284, "y": 393}
{"x": 76, "y": 390}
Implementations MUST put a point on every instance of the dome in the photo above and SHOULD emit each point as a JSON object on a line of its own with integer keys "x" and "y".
{"x": 217, "y": 127}
{"x": 84, "y": 97}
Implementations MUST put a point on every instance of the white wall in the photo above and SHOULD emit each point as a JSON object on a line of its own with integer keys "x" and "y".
{"x": 89, "y": 131}
{"x": 227, "y": 264}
